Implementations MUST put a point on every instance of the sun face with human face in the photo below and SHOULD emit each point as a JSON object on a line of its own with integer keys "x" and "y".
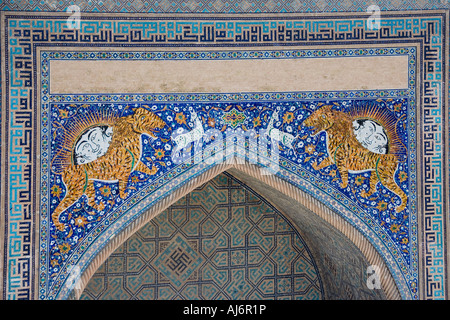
{"x": 371, "y": 135}
{"x": 92, "y": 144}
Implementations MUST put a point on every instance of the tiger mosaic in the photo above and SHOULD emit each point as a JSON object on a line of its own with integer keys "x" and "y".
{"x": 121, "y": 158}
{"x": 349, "y": 155}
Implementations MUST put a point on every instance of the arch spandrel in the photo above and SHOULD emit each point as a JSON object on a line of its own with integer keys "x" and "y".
{"x": 282, "y": 195}
{"x": 333, "y": 177}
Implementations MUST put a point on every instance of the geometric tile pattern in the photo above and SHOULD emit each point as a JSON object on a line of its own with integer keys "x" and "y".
{"x": 178, "y": 261}
{"x": 221, "y": 241}
{"x": 22, "y": 270}
{"x": 338, "y": 261}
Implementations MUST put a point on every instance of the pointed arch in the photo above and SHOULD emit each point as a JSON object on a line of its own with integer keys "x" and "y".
{"x": 258, "y": 180}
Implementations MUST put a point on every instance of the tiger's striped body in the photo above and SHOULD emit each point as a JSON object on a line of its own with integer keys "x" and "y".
{"x": 116, "y": 165}
{"x": 346, "y": 152}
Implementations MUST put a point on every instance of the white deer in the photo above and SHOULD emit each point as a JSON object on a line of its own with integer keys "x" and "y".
{"x": 184, "y": 139}
{"x": 278, "y": 135}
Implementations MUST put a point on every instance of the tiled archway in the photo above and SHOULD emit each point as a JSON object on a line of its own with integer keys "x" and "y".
{"x": 221, "y": 241}
{"x": 30, "y": 239}
{"x": 343, "y": 278}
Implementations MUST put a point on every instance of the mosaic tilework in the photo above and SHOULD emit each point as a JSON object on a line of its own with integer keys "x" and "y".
{"x": 229, "y": 117}
{"x": 427, "y": 30}
{"x": 222, "y": 241}
{"x": 224, "y": 117}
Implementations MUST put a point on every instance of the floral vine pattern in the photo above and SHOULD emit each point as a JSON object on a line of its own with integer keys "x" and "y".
{"x": 285, "y": 118}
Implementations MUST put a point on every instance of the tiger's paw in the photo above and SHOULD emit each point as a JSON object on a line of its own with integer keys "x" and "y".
{"x": 101, "y": 206}
{"x": 123, "y": 194}
{"x": 60, "y": 226}
{"x": 400, "y": 208}
{"x": 152, "y": 171}
{"x": 143, "y": 168}
{"x": 95, "y": 206}
{"x": 315, "y": 165}
{"x": 344, "y": 185}
{"x": 365, "y": 194}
